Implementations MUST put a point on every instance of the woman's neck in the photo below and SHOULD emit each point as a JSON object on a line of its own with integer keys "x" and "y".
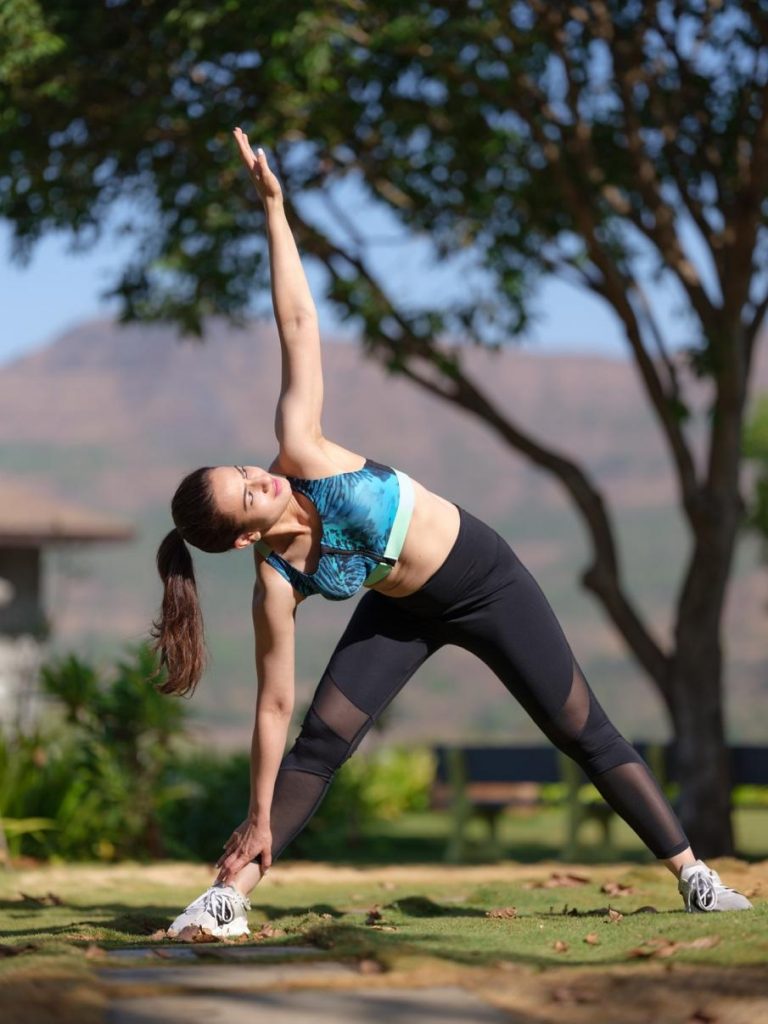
{"x": 299, "y": 517}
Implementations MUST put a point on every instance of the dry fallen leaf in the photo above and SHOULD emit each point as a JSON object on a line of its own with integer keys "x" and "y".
{"x": 566, "y": 994}
{"x": 558, "y": 879}
{"x": 660, "y": 946}
{"x": 560, "y": 946}
{"x": 374, "y": 914}
{"x": 51, "y": 900}
{"x": 614, "y": 915}
{"x": 617, "y": 889}
{"x": 194, "y": 933}
{"x": 502, "y": 912}
{"x": 593, "y": 938}
{"x": 648, "y": 947}
{"x": 702, "y": 1017}
{"x": 16, "y": 950}
{"x": 370, "y": 966}
{"x": 703, "y": 942}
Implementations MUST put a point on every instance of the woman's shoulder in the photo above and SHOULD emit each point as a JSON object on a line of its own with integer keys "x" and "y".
{"x": 316, "y": 459}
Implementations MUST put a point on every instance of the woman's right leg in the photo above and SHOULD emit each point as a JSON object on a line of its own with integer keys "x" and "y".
{"x": 378, "y": 653}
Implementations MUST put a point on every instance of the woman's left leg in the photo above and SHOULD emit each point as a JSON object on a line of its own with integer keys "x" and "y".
{"x": 516, "y": 633}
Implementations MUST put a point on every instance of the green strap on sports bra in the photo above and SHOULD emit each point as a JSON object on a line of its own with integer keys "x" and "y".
{"x": 398, "y": 531}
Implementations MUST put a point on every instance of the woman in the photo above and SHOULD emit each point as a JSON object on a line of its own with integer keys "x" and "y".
{"x": 323, "y": 519}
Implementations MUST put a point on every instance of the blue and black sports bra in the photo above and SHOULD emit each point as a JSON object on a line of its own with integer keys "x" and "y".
{"x": 365, "y": 515}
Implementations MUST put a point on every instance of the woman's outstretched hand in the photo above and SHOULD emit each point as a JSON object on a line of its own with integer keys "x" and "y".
{"x": 264, "y": 180}
{"x": 246, "y": 842}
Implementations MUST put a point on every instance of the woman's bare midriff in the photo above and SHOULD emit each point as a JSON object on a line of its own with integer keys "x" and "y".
{"x": 433, "y": 530}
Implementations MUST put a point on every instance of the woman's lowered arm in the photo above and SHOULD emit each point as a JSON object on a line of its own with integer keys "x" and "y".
{"x": 299, "y": 409}
{"x": 274, "y": 606}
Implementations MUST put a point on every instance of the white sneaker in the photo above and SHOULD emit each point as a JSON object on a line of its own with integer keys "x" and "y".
{"x": 702, "y": 889}
{"x": 220, "y": 911}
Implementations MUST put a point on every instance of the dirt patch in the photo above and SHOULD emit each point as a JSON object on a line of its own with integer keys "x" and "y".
{"x": 51, "y": 998}
{"x": 664, "y": 994}
{"x": 735, "y": 872}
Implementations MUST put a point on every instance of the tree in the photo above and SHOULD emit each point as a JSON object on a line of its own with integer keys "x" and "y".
{"x": 756, "y": 450}
{"x": 593, "y": 141}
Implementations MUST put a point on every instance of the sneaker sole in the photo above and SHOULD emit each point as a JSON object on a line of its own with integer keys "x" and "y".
{"x": 217, "y": 933}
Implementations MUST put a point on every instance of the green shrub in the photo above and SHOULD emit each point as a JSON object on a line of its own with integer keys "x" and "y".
{"x": 196, "y": 824}
{"x": 368, "y": 788}
{"x": 98, "y": 774}
{"x": 749, "y": 796}
{"x": 365, "y": 790}
{"x": 109, "y": 778}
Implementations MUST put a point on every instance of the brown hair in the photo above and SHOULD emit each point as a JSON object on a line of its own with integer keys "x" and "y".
{"x": 178, "y": 631}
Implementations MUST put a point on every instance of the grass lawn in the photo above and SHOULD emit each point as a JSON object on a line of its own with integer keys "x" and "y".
{"x": 612, "y": 944}
{"x": 530, "y": 835}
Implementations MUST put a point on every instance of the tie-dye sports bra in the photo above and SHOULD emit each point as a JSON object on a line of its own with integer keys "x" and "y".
{"x": 365, "y": 516}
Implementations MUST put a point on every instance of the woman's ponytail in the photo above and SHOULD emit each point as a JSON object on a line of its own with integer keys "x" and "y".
{"x": 178, "y": 631}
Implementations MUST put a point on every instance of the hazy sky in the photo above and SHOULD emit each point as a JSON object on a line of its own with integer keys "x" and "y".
{"x": 59, "y": 288}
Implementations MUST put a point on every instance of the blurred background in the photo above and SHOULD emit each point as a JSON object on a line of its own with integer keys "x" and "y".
{"x": 535, "y": 237}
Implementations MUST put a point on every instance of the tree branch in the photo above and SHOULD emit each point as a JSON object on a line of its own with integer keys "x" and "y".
{"x": 662, "y": 232}
{"x": 614, "y": 289}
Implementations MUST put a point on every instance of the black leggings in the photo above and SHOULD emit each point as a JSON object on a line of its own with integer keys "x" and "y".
{"x": 483, "y": 599}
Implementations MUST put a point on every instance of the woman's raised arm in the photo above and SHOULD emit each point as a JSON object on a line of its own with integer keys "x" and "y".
{"x": 299, "y": 409}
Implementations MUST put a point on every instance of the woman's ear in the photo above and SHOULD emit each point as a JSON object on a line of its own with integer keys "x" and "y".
{"x": 246, "y": 539}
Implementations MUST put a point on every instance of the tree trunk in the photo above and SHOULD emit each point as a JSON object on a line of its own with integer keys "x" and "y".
{"x": 695, "y": 695}
{"x": 695, "y": 691}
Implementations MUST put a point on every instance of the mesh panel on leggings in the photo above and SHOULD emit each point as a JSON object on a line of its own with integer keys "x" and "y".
{"x": 337, "y": 711}
{"x": 634, "y": 793}
{"x": 630, "y": 787}
{"x": 572, "y": 716}
{"x": 297, "y": 797}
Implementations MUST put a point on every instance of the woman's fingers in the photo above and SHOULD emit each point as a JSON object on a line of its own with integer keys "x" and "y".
{"x": 232, "y": 867}
{"x": 257, "y": 164}
{"x": 246, "y": 153}
{"x": 228, "y": 848}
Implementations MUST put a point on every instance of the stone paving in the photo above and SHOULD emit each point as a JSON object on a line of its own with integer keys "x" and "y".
{"x": 250, "y": 990}
{"x": 446, "y": 1005}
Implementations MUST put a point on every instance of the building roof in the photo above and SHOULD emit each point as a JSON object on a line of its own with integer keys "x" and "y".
{"x": 33, "y": 515}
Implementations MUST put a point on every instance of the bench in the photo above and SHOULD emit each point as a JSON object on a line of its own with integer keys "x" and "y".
{"x": 483, "y": 781}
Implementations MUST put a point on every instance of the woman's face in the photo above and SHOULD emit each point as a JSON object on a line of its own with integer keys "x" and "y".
{"x": 254, "y": 498}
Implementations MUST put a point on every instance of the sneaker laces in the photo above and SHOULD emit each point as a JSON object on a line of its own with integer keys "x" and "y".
{"x": 220, "y": 902}
{"x": 703, "y": 889}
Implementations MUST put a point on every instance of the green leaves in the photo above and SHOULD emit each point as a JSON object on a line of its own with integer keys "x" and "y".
{"x": 506, "y": 133}
{"x": 100, "y": 778}
{"x": 25, "y": 38}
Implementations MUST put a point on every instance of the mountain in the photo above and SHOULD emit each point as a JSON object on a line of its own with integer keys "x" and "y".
{"x": 114, "y": 416}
